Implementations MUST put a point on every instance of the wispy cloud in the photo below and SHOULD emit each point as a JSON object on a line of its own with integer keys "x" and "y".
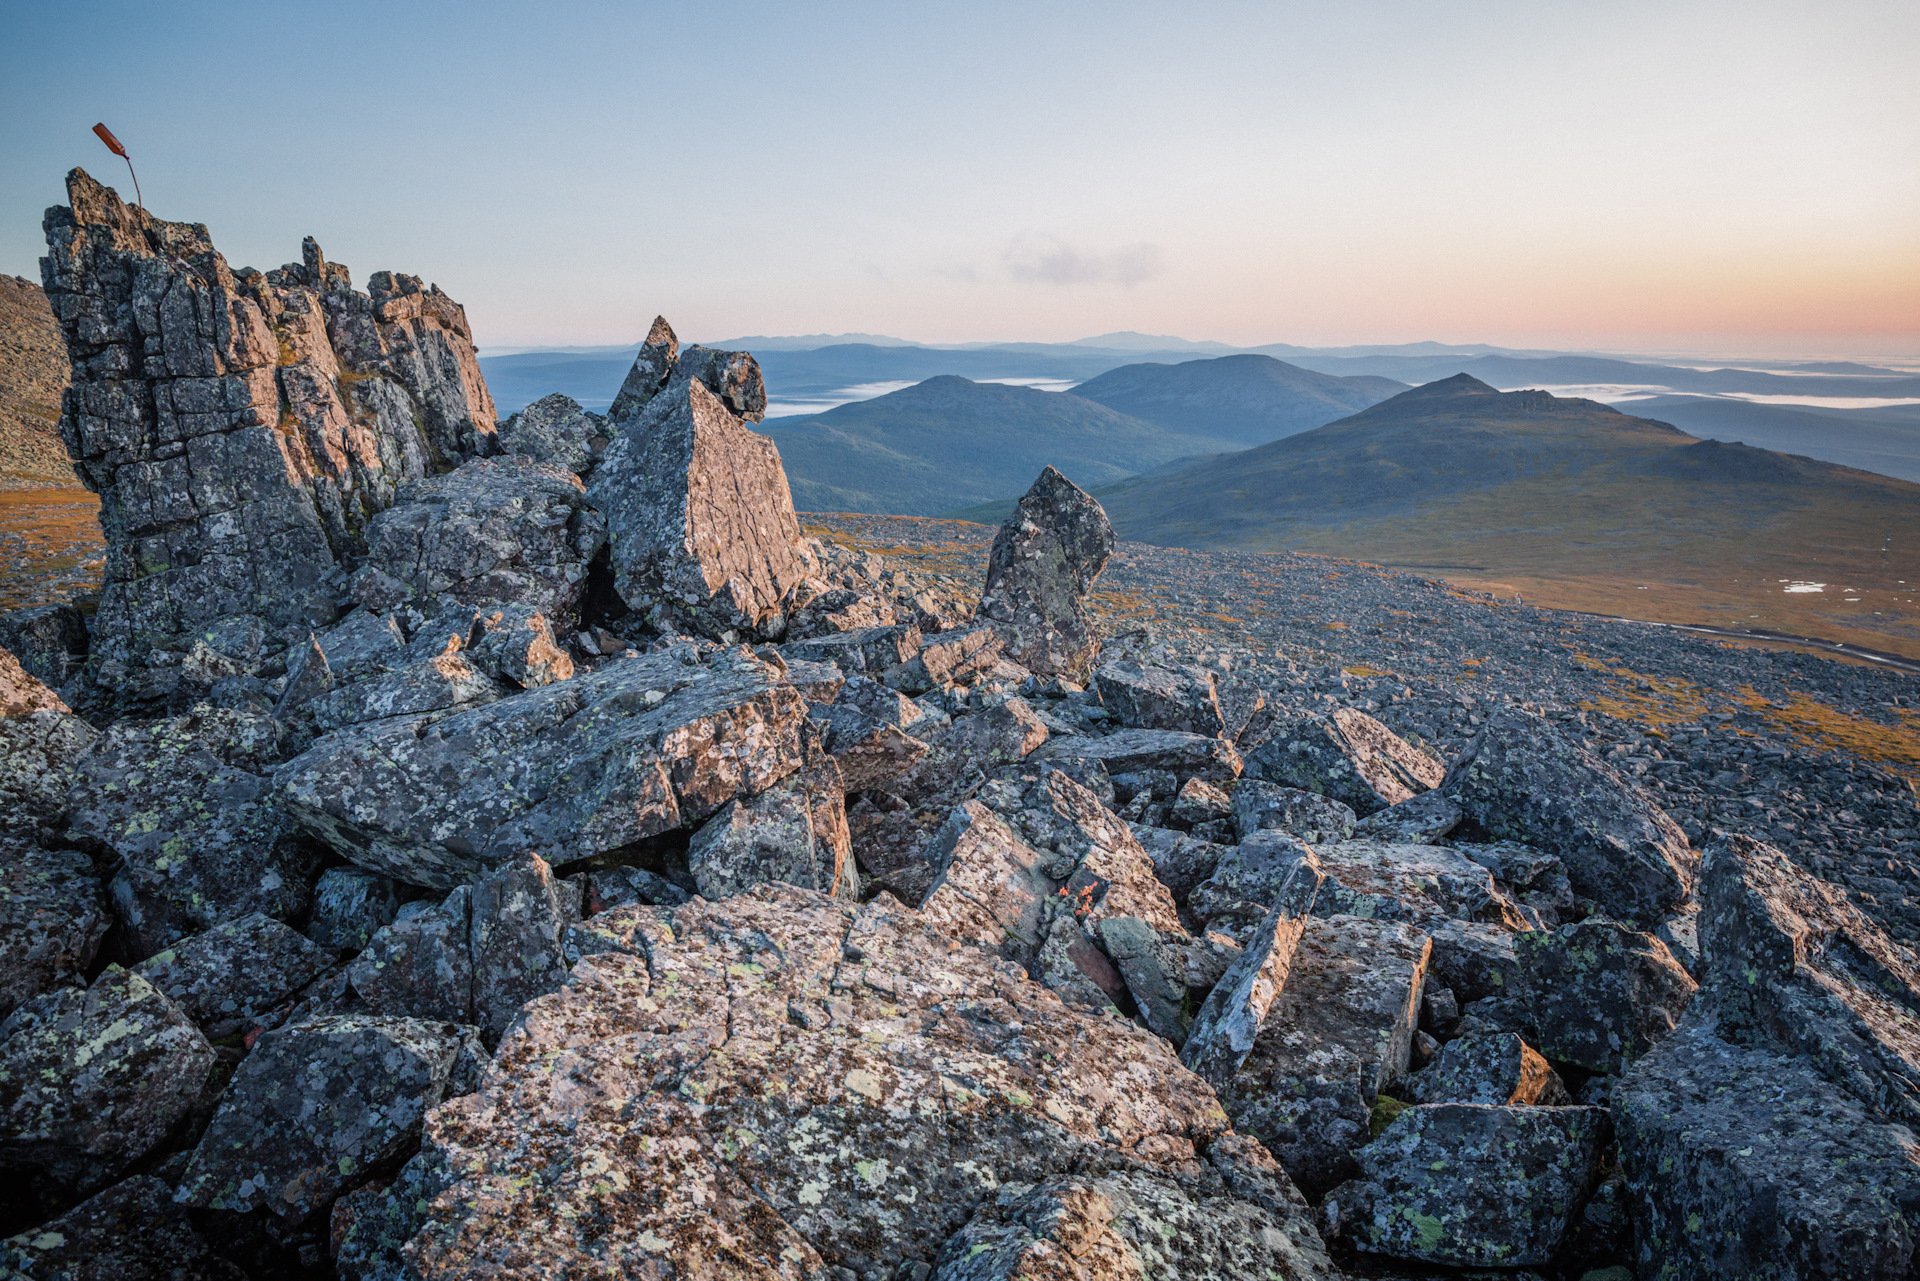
{"x": 1047, "y": 260}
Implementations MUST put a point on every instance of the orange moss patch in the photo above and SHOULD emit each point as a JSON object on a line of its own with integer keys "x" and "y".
{"x": 1816, "y": 726}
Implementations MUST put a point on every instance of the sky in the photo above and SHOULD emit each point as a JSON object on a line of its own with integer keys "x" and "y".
{"x": 1666, "y": 176}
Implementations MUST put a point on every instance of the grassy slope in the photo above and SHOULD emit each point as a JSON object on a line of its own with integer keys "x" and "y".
{"x": 33, "y": 373}
{"x": 1568, "y": 502}
{"x": 1246, "y": 399}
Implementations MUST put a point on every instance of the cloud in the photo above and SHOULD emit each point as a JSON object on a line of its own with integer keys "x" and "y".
{"x": 1046, "y": 260}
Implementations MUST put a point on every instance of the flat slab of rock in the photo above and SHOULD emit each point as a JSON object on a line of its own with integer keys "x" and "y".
{"x": 641, "y": 746}
{"x": 1043, "y": 562}
{"x": 231, "y": 977}
{"x": 94, "y": 1077}
{"x": 1468, "y": 1185}
{"x": 1522, "y": 780}
{"x": 793, "y": 1084}
{"x": 1346, "y": 755}
{"x": 1125, "y": 751}
{"x": 319, "y": 1106}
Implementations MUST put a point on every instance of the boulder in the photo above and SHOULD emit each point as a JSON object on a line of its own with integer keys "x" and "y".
{"x": 95, "y": 1078}
{"x": 1348, "y": 756}
{"x": 241, "y": 429}
{"x": 1598, "y": 994}
{"x": 1743, "y": 1161}
{"x": 1498, "y": 1069}
{"x": 1472, "y": 1185}
{"x": 21, "y": 693}
{"x": 476, "y": 957}
{"x": 186, "y": 809}
{"x": 1044, "y": 560}
{"x": 349, "y": 905}
{"x": 50, "y": 641}
{"x": 1128, "y": 751}
{"x": 1228, "y": 1025}
{"x": 493, "y": 531}
{"x": 1338, "y": 1037}
{"x": 795, "y": 831}
{"x": 947, "y": 660}
{"x": 583, "y": 767}
{"x": 700, "y": 521}
{"x": 229, "y": 979}
{"x": 39, "y": 752}
{"x": 1268, "y": 807}
{"x": 52, "y": 919}
{"x": 1420, "y": 883}
{"x": 796, "y": 1084}
{"x": 321, "y": 1105}
{"x": 556, "y": 431}
{"x": 1521, "y": 780}
{"x": 1146, "y": 696}
{"x": 1420, "y": 820}
{"x": 132, "y": 1231}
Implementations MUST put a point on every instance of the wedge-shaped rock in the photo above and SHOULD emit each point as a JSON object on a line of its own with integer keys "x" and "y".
{"x": 133, "y": 1231}
{"x": 229, "y": 979}
{"x": 1228, "y": 1026}
{"x": 1498, "y": 1069}
{"x": 1146, "y": 696}
{"x": 40, "y": 744}
{"x": 1418, "y": 883}
{"x": 589, "y": 765}
{"x": 1741, "y": 1161}
{"x": 1346, "y": 755}
{"x": 321, "y": 1105}
{"x": 1792, "y": 961}
{"x": 700, "y": 520}
{"x": 186, "y": 808}
{"x": 1339, "y": 1036}
{"x": 1521, "y": 780}
{"x": 1043, "y": 563}
{"x": 1598, "y": 994}
{"x": 1468, "y": 1185}
{"x": 1129, "y": 750}
{"x": 792, "y": 1084}
{"x": 52, "y": 919}
{"x": 91, "y": 1079}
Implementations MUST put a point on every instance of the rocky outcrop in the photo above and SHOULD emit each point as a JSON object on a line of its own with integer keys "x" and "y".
{"x": 583, "y": 767}
{"x": 700, "y": 521}
{"x": 241, "y": 429}
{"x": 794, "y": 1085}
{"x": 1347, "y": 756}
{"x": 557, "y": 431}
{"x": 1043, "y": 562}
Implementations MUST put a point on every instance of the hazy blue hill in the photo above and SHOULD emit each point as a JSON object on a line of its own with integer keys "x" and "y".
{"x": 1242, "y": 399}
{"x": 1570, "y": 501}
{"x": 947, "y": 443}
{"x": 1539, "y": 371}
{"x": 1886, "y": 440}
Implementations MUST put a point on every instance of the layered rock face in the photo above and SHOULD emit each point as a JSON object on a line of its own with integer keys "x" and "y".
{"x": 241, "y": 429}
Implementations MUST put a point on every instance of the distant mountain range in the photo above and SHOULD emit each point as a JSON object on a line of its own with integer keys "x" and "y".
{"x": 947, "y": 443}
{"x": 1569, "y": 501}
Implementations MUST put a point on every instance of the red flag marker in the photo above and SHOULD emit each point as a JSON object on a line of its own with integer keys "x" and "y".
{"x": 105, "y": 135}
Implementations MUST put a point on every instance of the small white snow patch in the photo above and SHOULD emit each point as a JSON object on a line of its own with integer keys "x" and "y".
{"x": 1799, "y": 588}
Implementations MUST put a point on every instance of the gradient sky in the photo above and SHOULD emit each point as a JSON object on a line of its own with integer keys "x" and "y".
{"x": 1663, "y": 176}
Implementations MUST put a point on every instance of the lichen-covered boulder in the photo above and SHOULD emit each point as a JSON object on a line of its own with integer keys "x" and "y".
{"x": 52, "y": 919}
{"x": 1598, "y": 994}
{"x": 1346, "y": 755}
{"x": 494, "y": 530}
{"x": 1522, "y": 780}
{"x": 132, "y": 1231}
{"x": 1260, "y": 806}
{"x": 230, "y": 978}
{"x": 1742, "y": 1161}
{"x": 321, "y": 1105}
{"x": 1131, "y": 750}
{"x": 1339, "y": 1036}
{"x": 91, "y": 1079}
{"x": 795, "y": 831}
{"x": 1471, "y": 1185}
{"x": 1419, "y": 883}
{"x": 700, "y": 521}
{"x": 557, "y": 431}
{"x": 1148, "y": 696}
{"x": 1227, "y": 1027}
{"x": 1498, "y": 1069}
{"x": 581, "y": 767}
{"x": 1043, "y": 562}
{"x": 21, "y": 693}
{"x": 794, "y": 1084}
{"x": 186, "y": 809}
{"x": 349, "y": 906}
{"x": 39, "y": 752}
